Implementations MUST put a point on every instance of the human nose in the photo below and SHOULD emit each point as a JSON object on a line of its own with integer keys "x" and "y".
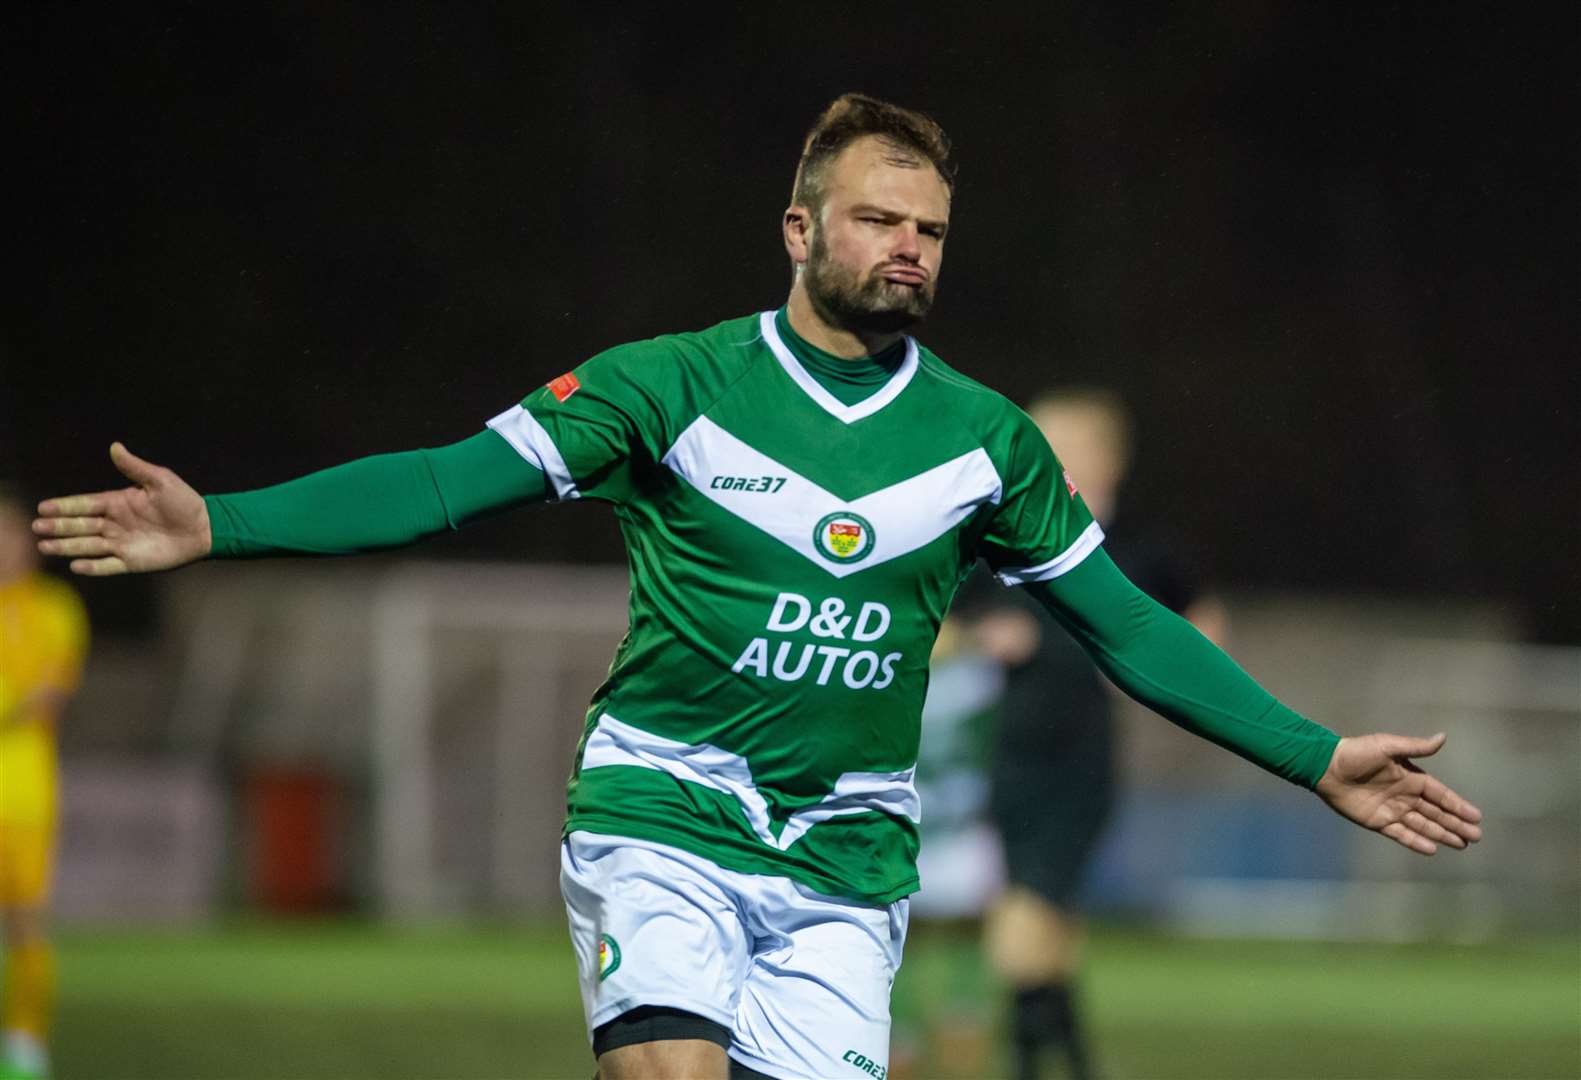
{"x": 908, "y": 242}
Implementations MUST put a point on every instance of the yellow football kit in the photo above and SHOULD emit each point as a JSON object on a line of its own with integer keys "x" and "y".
{"x": 43, "y": 638}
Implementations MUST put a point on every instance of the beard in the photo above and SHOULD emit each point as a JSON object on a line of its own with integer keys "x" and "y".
{"x": 873, "y": 306}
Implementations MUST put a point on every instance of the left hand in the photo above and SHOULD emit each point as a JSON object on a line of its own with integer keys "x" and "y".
{"x": 159, "y": 523}
{"x": 1372, "y": 781}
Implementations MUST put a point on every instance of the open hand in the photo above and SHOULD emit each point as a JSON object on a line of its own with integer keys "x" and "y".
{"x": 156, "y": 524}
{"x": 1372, "y": 781}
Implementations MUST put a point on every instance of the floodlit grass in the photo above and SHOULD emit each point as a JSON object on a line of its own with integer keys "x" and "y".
{"x": 339, "y": 1002}
{"x": 352, "y": 1002}
{"x": 1167, "y": 1008}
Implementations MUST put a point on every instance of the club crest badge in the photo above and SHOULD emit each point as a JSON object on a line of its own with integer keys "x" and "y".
{"x": 608, "y": 956}
{"x": 843, "y": 537}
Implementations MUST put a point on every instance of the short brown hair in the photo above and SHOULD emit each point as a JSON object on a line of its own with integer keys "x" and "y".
{"x": 914, "y": 137}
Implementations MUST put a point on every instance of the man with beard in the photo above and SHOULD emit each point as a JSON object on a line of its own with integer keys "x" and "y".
{"x": 800, "y": 493}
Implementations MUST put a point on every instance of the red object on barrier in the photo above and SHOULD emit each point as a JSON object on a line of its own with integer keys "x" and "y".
{"x": 293, "y": 817}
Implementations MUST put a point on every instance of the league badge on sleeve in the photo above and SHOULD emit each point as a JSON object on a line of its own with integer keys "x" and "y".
{"x": 564, "y": 386}
{"x": 843, "y": 537}
{"x": 1070, "y": 485}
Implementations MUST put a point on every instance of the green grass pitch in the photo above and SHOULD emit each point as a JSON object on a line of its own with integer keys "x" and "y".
{"x": 353, "y": 1002}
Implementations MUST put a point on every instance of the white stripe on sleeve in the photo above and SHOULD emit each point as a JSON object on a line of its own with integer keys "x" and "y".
{"x": 1063, "y": 563}
{"x": 528, "y": 437}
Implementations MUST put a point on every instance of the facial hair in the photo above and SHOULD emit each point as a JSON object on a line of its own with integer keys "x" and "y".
{"x": 874, "y": 306}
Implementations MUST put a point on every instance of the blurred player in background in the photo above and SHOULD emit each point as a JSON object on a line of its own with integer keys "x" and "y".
{"x": 43, "y": 639}
{"x": 1053, "y": 767}
{"x": 800, "y": 491}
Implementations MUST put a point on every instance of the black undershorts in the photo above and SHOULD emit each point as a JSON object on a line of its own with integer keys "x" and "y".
{"x": 657, "y": 1023}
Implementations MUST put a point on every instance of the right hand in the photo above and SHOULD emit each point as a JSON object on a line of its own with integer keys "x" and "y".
{"x": 1372, "y": 780}
{"x": 157, "y": 524}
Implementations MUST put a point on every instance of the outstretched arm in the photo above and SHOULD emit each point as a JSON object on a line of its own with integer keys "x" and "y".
{"x": 157, "y": 523}
{"x": 377, "y": 502}
{"x": 1373, "y": 781}
{"x": 1158, "y": 658}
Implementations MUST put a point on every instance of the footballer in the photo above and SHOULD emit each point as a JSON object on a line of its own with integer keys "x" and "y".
{"x": 43, "y": 643}
{"x": 800, "y": 492}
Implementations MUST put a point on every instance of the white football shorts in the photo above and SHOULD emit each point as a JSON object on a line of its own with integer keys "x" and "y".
{"x": 800, "y": 980}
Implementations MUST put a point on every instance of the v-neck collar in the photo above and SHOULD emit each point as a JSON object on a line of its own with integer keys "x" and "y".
{"x": 846, "y": 414}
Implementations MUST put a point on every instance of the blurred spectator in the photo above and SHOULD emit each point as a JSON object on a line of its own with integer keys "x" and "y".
{"x": 1052, "y": 773}
{"x": 43, "y": 638}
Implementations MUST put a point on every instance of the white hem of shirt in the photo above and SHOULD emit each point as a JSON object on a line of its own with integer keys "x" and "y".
{"x": 847, "y": 414}
{"x": 529, "y": 439}
{"x": 613, "y": 742}
{"x": 1063, "y": 563}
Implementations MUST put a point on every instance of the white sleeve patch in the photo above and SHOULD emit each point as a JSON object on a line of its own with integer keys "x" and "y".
{"x": 529, "y": 439}
{"x": 1063, "y": 563}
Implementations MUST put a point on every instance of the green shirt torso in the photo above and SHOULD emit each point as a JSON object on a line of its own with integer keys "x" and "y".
{"x": 792, "y": 554}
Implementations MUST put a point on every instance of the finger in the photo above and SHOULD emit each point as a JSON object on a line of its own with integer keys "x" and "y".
{"x": 1410, "y": 746}
{"x": 71, "y": 505}
{"x": 1466, "y": 830}
{"x": 133, "y": 467}
{"x": 1453, "y": 807}
{"x": 69, "y": 526}
{"x": 1424, "y": 826}
{"x": 1404, "y": 836}
{"x": 98, "y": 567}
{"x": 1445, "y": 816}
{"x": 77, "y": 545}
{"x": 1438, "y": 793}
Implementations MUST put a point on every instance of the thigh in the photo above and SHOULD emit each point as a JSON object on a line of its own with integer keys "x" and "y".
{"x": 651, "y": 927}
{"x": 26, "y": 857}
{"x": 1030, "y": 941}
{"x": 816, "y": 1000}
{"x": 680, "y": 1059}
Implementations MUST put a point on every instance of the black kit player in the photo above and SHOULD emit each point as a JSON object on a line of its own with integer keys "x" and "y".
{"x": 1053, "y": 768}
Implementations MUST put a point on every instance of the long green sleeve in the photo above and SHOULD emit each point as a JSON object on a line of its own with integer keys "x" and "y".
{"x": 383, "y": 501}
{"x": 1159, "y": 659}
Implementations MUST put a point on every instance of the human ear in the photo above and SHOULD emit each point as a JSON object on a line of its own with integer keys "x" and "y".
{"x": 797, "y": 227}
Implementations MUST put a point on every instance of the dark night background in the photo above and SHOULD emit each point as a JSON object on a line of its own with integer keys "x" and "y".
{"x": 1326, "y": 251}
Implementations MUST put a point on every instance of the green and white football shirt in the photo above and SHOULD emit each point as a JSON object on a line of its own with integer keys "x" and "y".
{"x": 791, "y": 560}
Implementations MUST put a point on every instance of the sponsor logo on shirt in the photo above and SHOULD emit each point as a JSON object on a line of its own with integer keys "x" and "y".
{"x": 792, "y": 661}
{"x": 608, "y": 956}
{"x": 564, "y": 386}
{"x": 843, "y": 537}
{"x": 747, "y": 483}
{"x": 866, "y": 1064}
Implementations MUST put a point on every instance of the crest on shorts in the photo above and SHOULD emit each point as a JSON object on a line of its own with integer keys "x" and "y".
{"x": 608, "y": 956}
{"x": 843, "y": 537}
